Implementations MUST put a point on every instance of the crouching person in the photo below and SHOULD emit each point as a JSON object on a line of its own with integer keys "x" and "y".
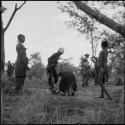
{"x": 67, "y": 83}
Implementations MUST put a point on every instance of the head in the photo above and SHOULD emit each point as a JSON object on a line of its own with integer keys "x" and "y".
{"x": 21, "y": 38}
{"x": 61, "y": 50}
{"x": 86, "y": 55}
{"x": 104, "y": 44}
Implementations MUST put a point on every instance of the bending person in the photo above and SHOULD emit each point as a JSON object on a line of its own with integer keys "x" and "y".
{"x": 51, "y": 67}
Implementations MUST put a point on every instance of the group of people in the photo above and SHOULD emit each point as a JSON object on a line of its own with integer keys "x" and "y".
{"x": 100, "y": 69}
{"x": 65, "y": 79}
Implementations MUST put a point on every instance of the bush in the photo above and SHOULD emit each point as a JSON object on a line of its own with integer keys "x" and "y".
{"x": 36, "y": 70}
{"x": 4, "y": 80}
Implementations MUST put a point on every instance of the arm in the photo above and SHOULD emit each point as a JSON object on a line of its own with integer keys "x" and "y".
{"x": 93, "y": 59}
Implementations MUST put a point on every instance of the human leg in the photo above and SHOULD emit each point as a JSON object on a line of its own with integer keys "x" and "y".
{"x": 100, "y": 81}
{"x": 19, "y": 84}
{"x": 55, "y": 75}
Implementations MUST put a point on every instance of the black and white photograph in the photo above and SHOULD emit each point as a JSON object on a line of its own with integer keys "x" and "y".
{"x": 62, "y": 62}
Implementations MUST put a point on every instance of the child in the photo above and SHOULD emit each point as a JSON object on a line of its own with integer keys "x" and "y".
{"x": 102, "y": 66}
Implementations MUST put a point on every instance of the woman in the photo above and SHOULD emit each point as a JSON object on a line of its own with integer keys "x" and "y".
{"x": 21, "y": 64}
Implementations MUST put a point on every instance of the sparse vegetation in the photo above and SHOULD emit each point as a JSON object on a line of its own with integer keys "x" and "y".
{"x": 37, "y": 106}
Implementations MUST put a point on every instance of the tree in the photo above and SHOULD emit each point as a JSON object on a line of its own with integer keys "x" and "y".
{"x": 35, "y": 58}
{"x": 101, "y": 18}
{"x": 116, "y": 51}
{"x": 82, "y": 23}
{"x": 66, "y": 64}
{"x": 36, "y": 69}
{"x": 3, "y": 30}
{"x": 82, "y": 68}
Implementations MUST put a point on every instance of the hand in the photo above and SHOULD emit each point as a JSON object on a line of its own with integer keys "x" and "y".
{"x": 27, "y": 68}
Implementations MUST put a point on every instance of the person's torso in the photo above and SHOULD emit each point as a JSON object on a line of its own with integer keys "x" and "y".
{"x": 10, "y": 66}
{"x": 53, "y": 60}
{"x": 102, "y": 59}
{"x": 85, "y": 63}
{"x": 21, "y": 51}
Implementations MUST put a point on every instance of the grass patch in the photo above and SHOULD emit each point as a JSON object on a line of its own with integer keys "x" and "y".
{"x": 37, "y": 106}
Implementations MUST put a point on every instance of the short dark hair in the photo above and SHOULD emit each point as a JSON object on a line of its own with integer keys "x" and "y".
{"x": 104, "y": 44}
{"x": 20, "y": 35}
{"x": 86, "y": 54}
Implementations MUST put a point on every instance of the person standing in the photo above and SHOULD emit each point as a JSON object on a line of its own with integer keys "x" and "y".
{"x": 10, "y": 69}
{"x": 21, "y": 64}
{"x": 102, "y": 66}
{"x": 86, "y": 70}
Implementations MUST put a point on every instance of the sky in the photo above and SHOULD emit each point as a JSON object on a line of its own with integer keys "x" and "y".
{"x": 44, "y": 27}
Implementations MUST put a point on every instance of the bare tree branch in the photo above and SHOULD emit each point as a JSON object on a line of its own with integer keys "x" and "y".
{"x": 13, "y": 14}
{"x": 101, "y": 18}
{"x": 20, "y": 5}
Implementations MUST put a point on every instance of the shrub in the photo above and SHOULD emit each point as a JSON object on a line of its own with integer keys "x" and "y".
{"x": 36, "y": 70}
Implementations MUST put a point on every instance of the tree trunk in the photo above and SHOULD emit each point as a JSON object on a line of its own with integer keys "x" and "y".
{"x": 3, "y": 33}
{"x": 2, "y": 52}
{"x": 82, "y": 75}
{"x": 2, "y": 47}
{"x": 91, "y": 34}
{"x": 101, "y": 18}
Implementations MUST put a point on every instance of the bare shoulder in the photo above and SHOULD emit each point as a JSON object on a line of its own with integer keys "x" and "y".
{"x": 20, "y": 46}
